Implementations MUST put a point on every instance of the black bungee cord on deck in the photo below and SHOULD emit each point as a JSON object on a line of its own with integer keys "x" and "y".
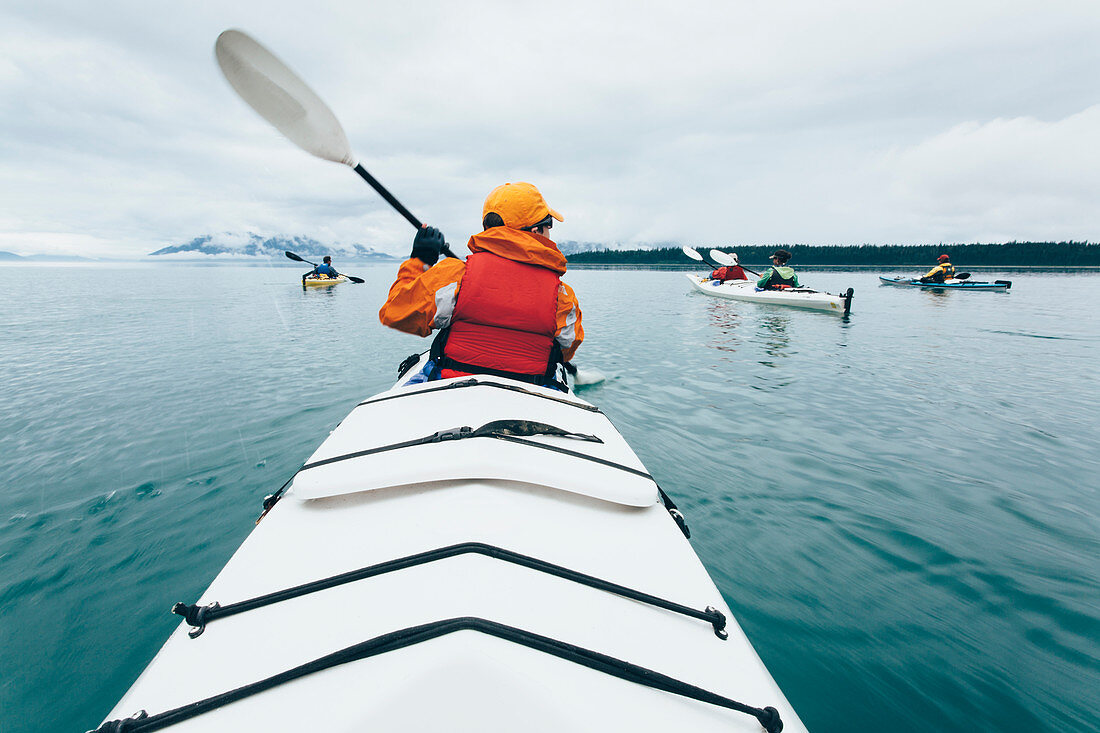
{"x": 198, "y": 616}
{"x": 475, "y": 382}
{"x": 143, "y": 722}
{"x": 514, "y": 431}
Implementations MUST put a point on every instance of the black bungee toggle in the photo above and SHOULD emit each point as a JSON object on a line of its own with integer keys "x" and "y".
{"x": 452, "y": 434}
{"x": 674, "y": 512}
{"x": 124, "y": 725}
{"x": 196, "y": 616}
{"x": 718, "y": 621}
{"x": 769, "y": 719}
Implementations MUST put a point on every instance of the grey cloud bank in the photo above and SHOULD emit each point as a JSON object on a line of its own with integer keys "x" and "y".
{"x": 830, "y": 123}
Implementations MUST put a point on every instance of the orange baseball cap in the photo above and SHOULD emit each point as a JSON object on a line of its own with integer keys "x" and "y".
{"x": 519, "y": 205}
{"x": 941, "y": 258}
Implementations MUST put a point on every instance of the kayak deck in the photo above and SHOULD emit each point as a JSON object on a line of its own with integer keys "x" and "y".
{"x": 468, "y": 679}
{"x": 576, "y": 464}
{"x": 323, "y": 281}
{"x": 797, "y": 297}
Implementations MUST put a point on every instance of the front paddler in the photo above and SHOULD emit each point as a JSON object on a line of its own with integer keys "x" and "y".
{"x": 779, "y": 276}
{"x": 504, "y": 310}
{"x": 729, "y": 272}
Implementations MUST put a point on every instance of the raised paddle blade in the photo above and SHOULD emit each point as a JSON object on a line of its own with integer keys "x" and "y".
{"x": 296, "y": 258}
{"x": 962, "y": 276}
{"x": 692, "y": 253}
{"x": 722, "y": 258}
{"x": 281, "y": 97}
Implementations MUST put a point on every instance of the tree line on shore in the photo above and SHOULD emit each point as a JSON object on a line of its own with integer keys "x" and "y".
{"x": 1009, "y": 254}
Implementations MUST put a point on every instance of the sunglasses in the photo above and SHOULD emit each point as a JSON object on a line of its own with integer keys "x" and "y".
{"x": 547, "y": 223}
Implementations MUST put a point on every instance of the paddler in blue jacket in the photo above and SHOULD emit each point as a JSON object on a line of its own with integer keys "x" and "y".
{"x": 779, "y": 276}
{"x": 942, "y": 271}
{"x": 325, "y": 269}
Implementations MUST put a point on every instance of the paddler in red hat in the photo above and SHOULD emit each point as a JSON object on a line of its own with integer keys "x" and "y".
{"x": 504, "y": 310}
{"x": 944, "y": 270}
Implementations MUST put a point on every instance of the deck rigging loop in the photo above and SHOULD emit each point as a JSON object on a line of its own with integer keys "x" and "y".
{"x": 512, "y": 431}
{"x": 272, "y": 499}
{"x": 198, "y": 616}
{"x": 674, "y": 512}
{"x": 408, "y": 363}
{"x": 475, "y": 382}
{"x": 768, "y": 717}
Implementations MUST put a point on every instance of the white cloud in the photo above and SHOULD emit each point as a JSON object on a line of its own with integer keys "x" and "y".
{"x": 1005, "y": 178}
{"x": 642, "y": 121}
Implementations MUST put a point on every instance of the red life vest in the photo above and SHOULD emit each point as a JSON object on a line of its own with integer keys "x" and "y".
{"x": 505, "y": 319}
{"x": 730, "y": 272}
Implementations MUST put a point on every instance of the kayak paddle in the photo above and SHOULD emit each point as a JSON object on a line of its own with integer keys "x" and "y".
{"x": 296, "y": 258}
{"x": 727, "y": 260}
{"x": 284, "y": 100}
{"x": 696, "y": 256}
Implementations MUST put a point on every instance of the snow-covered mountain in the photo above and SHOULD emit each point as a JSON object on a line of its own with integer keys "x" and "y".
{"x": 571, "y": 247}
{"x": 230, "y": 246}
{"x": 253, "y": 245}
{"x": 12, "y": 257}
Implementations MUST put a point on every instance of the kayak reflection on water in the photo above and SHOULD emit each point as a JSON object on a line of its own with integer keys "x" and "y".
{"x": 774, "y": 336}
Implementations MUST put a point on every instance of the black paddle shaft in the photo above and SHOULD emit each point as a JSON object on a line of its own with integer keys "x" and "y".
{"x": 297, "y": 258}
{"x": 384, "y": 193}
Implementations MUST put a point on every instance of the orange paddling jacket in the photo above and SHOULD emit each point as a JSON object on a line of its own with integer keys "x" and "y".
{"x": 503, "y": 311}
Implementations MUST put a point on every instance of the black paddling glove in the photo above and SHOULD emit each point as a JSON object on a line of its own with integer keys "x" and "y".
{"x": 427, "y": 244}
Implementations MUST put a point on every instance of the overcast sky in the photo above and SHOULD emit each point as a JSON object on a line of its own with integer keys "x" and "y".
{"x": 700, "y": 122}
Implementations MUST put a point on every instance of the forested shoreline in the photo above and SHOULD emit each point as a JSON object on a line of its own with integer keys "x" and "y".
{"x": 1010, "y": 254}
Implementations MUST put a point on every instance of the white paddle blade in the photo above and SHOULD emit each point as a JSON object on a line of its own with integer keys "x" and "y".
{"x": 281, "y": 98}
{"x": 692, "y": 253}
{"x": 723, "y": 258}
{"x": 587, "y": 377}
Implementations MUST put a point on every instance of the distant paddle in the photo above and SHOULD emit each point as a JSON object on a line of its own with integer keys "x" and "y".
{"x": 296, "y": 258}
{"x": 283, "y": 99}
{"x": 729, "y": 260}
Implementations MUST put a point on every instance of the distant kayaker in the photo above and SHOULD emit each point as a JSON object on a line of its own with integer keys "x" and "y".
{"x": 505, "y": 310}
{"x": 941, "y": 272}
{"x": 778, "y": 276}
{"x": 325, "y": 269}
{"x": 729, "y": 272}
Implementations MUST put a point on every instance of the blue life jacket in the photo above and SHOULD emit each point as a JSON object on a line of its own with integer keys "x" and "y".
{"x": 325, "y": 270}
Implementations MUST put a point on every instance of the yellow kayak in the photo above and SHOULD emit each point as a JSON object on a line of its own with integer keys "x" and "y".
{"x": 323, "y": 281}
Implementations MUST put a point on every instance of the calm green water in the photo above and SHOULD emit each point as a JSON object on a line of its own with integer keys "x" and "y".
{"x": 903, "y": 509}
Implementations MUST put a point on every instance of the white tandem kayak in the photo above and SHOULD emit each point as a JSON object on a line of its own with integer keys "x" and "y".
{"x": 471, "y": 554}
{"x": 841, "y": 305}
